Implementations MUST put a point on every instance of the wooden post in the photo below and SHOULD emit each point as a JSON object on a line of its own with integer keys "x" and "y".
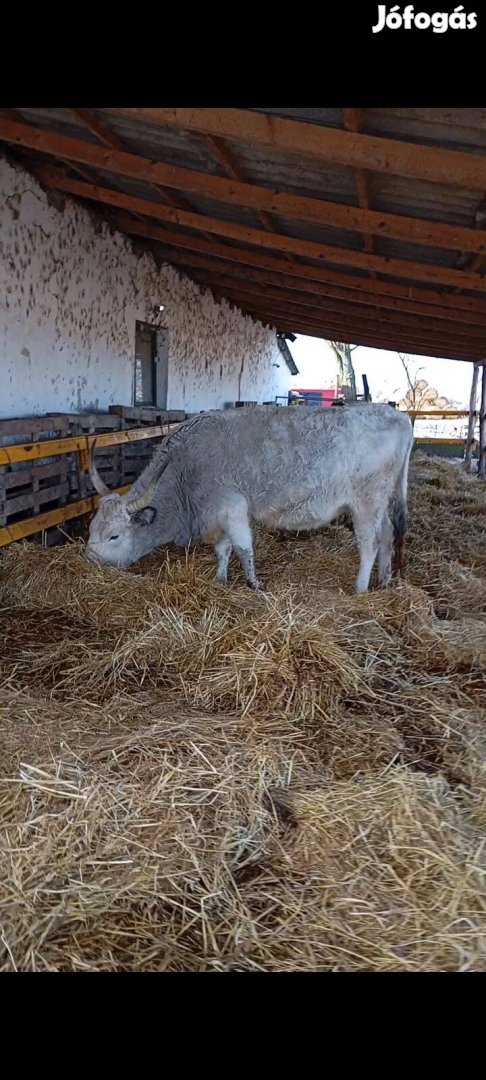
{"x": 367, "y": 395}
{"x": 472, "y": 419}
{"x": 482, "y": 427}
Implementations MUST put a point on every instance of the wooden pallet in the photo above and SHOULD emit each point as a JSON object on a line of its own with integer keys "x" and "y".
{"x": 29, "y": 489}
{"x": 25, "y": 489}
{"x": 108, "y": 458}
{"x": 144, "y": 415}
{"x": 136, "y": 456}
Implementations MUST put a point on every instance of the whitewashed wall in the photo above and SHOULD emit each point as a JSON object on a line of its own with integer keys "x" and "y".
{"x": 70, "y": 295}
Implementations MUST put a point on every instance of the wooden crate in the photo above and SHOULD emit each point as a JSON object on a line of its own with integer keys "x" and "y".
{"x": 136, "y": 456}
{"x": 145, "y": 416}
{"x": 108, "y": 458}
{"x": 28, "y": 489}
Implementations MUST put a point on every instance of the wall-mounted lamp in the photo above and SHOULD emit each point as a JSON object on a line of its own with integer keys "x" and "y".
{"x": 158, "y": 308}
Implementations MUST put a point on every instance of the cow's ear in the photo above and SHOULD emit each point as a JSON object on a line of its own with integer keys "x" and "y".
{"x": 146, "y": 516}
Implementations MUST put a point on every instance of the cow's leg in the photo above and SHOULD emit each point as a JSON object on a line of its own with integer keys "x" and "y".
{"x": 242, "y": 542}
{"x": 385, "y": 552}
{"x": 237, "y": 528}
{"x": 222, "y": 550}
{"x": 367, "y": 528}
{"x": 247, "y": 560}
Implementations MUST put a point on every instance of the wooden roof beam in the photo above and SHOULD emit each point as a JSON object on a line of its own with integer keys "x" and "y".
{"x": 362, "y": 336}
{"x": 15, "y": 116}
{"x": 324, "y": 313}
{"x": 352, "y": 122}
{"x": 239, "y": 193}
{"x": 413, "y": 331}
{"x": 286, "y": 311}
{"x": 465, "y": 334}
{"x": 108, "y": 138}
{"x": 101, "y": 130}
{"x": 370, "y": 291}
{"x": 340, "y": 332}
{"x": 296, "y": 284}
{"x": 276, "y": 241}
{"x": 227, "y": 160}
{"x": 475, "y": 262}
{"x": 453, "y": 168}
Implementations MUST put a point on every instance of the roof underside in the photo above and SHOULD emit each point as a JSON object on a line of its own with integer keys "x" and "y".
{"x": 358, "y": 225}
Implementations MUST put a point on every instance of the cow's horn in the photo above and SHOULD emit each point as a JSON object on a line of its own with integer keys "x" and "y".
{"x": 98, "y": 484}
{"x": 144, "y": 498}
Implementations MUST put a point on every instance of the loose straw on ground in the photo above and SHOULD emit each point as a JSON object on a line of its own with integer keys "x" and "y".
{"x": 205, "y": 779}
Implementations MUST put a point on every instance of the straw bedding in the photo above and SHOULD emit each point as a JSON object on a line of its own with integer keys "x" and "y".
{"x": 204, "y": 779}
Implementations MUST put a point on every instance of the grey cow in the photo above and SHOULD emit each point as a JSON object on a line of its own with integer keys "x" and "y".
{"x": 294, "y": 469}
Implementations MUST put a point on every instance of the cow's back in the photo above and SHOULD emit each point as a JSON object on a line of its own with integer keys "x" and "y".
{"x": 275, "y": 445}
{"x": 298, "y": 459}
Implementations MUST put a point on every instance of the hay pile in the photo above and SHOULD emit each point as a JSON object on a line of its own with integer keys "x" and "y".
{"x": 195, "y": 778}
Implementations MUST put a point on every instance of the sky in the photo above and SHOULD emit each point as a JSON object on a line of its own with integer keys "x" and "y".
{"x": 386, "y": 377}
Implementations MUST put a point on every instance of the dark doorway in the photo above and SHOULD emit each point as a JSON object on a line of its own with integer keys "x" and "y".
{"x": 151, "y": 365}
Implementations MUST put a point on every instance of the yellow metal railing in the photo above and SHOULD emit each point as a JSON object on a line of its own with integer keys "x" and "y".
{"x": 80, "y": 444}
{"x": 438, "y": 414}
{"x": 438, "y": 439}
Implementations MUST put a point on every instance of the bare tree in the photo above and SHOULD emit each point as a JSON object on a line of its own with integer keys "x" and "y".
{"x": 346, "y": 375}
{"x": 411, "y": 395}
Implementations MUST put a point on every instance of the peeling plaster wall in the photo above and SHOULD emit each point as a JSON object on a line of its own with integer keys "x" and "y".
{"x": 70, "y": 295}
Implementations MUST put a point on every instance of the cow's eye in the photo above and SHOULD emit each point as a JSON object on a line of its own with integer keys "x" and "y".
{"x": 114, "y": 537}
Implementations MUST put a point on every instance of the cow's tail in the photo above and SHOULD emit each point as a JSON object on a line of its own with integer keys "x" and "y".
{"x": 400, "y": 512}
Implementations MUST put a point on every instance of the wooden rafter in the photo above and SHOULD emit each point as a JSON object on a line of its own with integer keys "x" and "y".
{"x": 267, "y": 275}
{"x": 14, "y": 116}
{"x": 465, "y": 335}
{"x": 453, "y": 168}
{"x": 299, "y": 324}
{"x": 275, "y": 301}
{"x": 273, "y": 241}
{"x": 475, "y": 262}
{"x": 370, "y": 292}
{"x": 352, "y": 122}
{"x": 351, "y": 301}
{"x": 108, "y": 138}
{"x": 98, "y": 128}
{"x": 228, "y": 162}
{"x": 286, "y": 316}
{"x": 251, "y": 196}
{"x": 360, "y": 337}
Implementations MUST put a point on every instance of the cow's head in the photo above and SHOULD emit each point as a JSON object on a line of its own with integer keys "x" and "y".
{"x": 125, "y": 527}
